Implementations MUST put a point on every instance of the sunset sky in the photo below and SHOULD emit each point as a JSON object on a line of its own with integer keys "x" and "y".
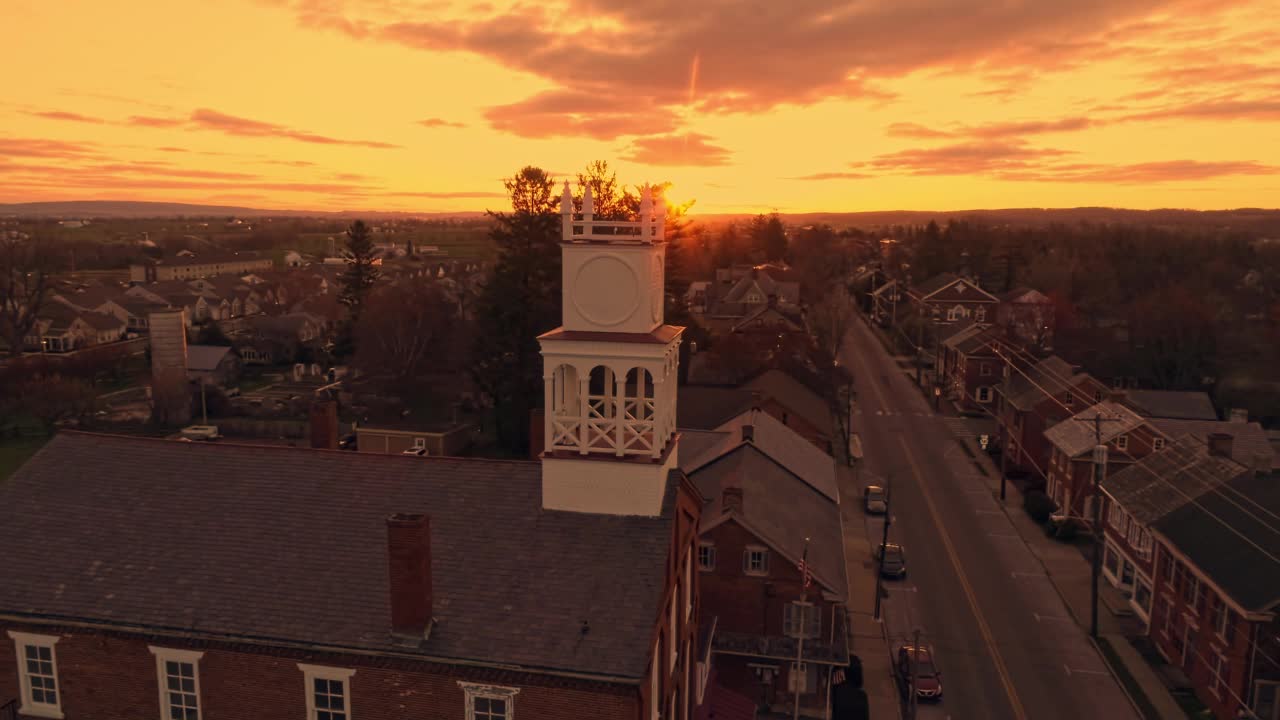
{"x": 746, "y": 106}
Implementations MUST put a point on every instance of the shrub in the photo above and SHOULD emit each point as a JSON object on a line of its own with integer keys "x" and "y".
{"x": 1066, "y": 531}
{"x": 1038, "y": 506}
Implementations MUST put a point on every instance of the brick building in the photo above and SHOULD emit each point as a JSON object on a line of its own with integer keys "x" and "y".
{"x": 185, "y": 580}
{"x": 771, "y": 501}
{"x": 970, "y": 366}
{"x": 948, "y": 298}
{"x": 1036, "y": 397}
{"x": 190, "y": 267}
{"x": 1128, "y": 437}
{"x": 1217, "y": 592}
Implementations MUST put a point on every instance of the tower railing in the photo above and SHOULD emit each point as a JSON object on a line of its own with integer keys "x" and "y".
{"x": 649, "y": 227}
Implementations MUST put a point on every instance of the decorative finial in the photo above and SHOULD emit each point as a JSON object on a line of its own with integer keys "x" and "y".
{"x": 646, "y": 204}
{"x": 566, "y": 200}
{"x": 588, "y": 207}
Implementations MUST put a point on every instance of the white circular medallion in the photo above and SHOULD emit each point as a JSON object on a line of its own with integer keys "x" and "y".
{"x": 606, "y": 291}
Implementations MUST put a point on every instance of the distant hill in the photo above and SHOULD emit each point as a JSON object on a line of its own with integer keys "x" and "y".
{"x": 131, "y": 209}
{"x": 1252, "y": 220}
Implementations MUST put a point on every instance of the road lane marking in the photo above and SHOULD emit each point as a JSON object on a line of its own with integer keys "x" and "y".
{"x": 983, "y": 628}
{"x": 1082, "y": 671}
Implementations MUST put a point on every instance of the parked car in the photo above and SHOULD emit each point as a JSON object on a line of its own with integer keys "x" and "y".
{"x": 874, "y": 500}
{"x": 893, "y": 560}
{"x": 927, "y": 677}
{"x": 419, "y": 451}
{"x": 348, "y": 442}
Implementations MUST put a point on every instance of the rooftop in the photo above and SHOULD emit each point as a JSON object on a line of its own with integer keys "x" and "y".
{"x": 777, "y": 441}
{"x": 1163, "y": 481}
{"x": 241, "y": 541}
{"x": 1173, "y": 404}
{"x": 1047, "y": 376}
{"x": 205, "y": 357}
{"x": 1076, "y": 435}
{"x": 1249, "y": 444}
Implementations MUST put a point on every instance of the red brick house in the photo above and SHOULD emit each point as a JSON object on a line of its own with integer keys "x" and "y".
{"x": 1028, "y": 316}
{"x": 1033, "y": 399}
{"x": 1128, "y": 437}
{"x": 775, "y": 391}
{"x": 1141, "y": 494}
{"x": 766, "y": 494}
{"x": 1217, "y": 592}
{"x": 949, "y": 298}
{"x": 970, "y": 368}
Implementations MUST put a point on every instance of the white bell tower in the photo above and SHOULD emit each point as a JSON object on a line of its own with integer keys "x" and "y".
{"x": 610, "y": 370}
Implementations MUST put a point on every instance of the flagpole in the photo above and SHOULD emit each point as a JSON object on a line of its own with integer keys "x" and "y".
{"x": 797, "y": 686}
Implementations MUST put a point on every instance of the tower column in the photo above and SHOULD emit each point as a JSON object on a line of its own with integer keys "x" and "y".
{"x": 659, "y": 415}
{"x": 620, "y": 413}
{"x": 584, "y": 412}
{"x": 550, "y": 408}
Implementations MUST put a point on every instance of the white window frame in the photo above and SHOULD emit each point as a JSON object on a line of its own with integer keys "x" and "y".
{"x": 1216, "y": 683}
{"x": 1158, "y": 444}
{"x": 984, "y": 370}
{"x": 490, "y": 692}
{"x": 688, "y": 583}
{"x": 1122, "y": 442}
{"x": 1069, "y": 399}
{"x": 311, "y": 673}
{"x": 980, "y": 315}
{"x": 419, "y": 443}
{"x": 21, "y": 641}
{"x": 167, "y": 655}
{"x": 764, "y": 561}
{"x": 710, "y": 547}
{"x": 984, "y": 394}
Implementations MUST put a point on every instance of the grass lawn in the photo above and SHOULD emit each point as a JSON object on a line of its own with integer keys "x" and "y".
{"x": 15, "y": 452}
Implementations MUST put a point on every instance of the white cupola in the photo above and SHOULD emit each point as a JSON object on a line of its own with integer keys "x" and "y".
{"x": 610, "y": 370}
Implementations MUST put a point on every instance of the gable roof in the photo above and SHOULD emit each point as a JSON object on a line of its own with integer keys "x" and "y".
{"x": 1173, "y": 404}
{"x": 205, "y": 357}
{"x": 759, "y": 313}
{"x": 706, "y": 407}
{"x": 938, "y": 284}
{"x": 1249, "y": 443}
{"x": 1163, "y": 481}
{"x": 780, "y": 443}
{"x": 779, "y": 508}
{"x": 101, "y": 321}
{"x": 884, "y": 287}
{"x": 1048, "y": 375}
{"x": 1024, "y": 295}
{"x": 265, "y": 532}
{"x": 784, "y": 388}
{"x": 1223, "y": 535}
{"x": 1075, "y": 436}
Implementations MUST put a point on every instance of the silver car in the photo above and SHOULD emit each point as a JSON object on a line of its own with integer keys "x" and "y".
{"x": 874, "y": 500}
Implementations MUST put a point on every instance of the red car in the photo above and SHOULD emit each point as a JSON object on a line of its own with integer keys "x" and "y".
{"x": 928, "y": 679}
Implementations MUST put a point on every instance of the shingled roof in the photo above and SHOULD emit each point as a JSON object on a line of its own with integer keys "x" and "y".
{"x": 1224, "y": 535}
{"x": 1173, "y": 404}
{"x": 777, "y": 441}
{"x": 1047, "y": 376}
{"x": 1164, "y": 481}
{"x": 1249, "y": 443}
{"x": 1074, "y": 438}
{"x": 290, "y": 544}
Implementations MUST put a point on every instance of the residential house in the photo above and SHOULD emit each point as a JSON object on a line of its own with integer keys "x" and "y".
{"x": 696, "y": 296}
{"x": 1129, "y": 437}
{"x": 1249, "y": 444}
{"x": 770, "y": 318}
{"x": 198, "y": 265}
{"x": 1172, "y": 404}
{"x": 1029, "y": 316}
{"x": 775, "y": 391}
{"x": 950, "y": 298}
{"x": 1145, "y": 492}
{"x": 1217, "y": 592}
{"x": 60, "y": 328}
{"x": 276, "y": 339}
{"x": 393, "y": 437}
{"x": 885, "y": 300}
{"x": 1033, "y": 398}
{"x": 971, "y": 365}
{"x": 213, "y": 364}
{"x": 103, "y": 328}
{"x": 741, "y": 291}
{"x": 766, "y": 491}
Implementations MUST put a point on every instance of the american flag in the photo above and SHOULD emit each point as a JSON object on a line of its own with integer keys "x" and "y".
{"x": 803, "y": 567}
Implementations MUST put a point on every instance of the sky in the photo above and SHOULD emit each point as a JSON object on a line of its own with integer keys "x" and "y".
{"x": 744, "y": 106}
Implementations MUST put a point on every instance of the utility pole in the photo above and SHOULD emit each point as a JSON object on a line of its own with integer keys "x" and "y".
{"x": 914, "y": 656}
{"x": 884, "y": 540}
{"x": 204, "y": 408}
{"x": 798, "y": 683}
{"x": 1004, "y": 435}
{"x": 919, "y": 351}
{"x": 1099, "y": 475}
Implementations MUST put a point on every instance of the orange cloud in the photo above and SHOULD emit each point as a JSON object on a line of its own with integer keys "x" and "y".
{"x": 69, "y": 116}
{"x": 568, "y": 113}
{"x": 440, "y": 123}
{"x": 676, "y": 150}
{"x": 156, "y": 122}
{"x": 834, "y": 176}
{"x": 963, "y": 159}
{"x": 232, "y": 125}
{"x": 35, "y": 147}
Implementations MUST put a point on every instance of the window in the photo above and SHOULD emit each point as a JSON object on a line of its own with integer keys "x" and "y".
{"x": 706, "y": 556}
{"x": 1220, "y": 617}
{"x": 980, "y": 314}
{"x": 1158, "y": 444}
{"x": 1122, "y": 442}
{"x": 1142, "y": 596}
{"x": 1229, "y": 632}
{"x": 801, "y": 678}
{"x": 419, "y": 443}
{"x": 755, "y": 561}
{"x": 1190, "y": 590}
{"x": 688, "y": 583}
{"x": 801, "y": 618}
{"x": 984, "y": 394}
{"x": 489, "y": 702}
{"x": 38, "y": 674}
{"x": 1097, "y": 396}
{"x": 1111, "y": 561}
{"x": 1069, "y": 399}
{"x": 179, "y": 683}
{"x": 1167, "y": 630}
{"x": 984, "y": 369}
{"x": 328, "y": 692}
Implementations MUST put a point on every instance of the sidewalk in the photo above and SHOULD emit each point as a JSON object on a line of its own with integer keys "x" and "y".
{"x": 869, "y": 642}
{"x": 1069, "y": 573}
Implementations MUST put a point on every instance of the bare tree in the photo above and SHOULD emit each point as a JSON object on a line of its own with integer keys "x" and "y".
{"x": 829, "y": 321}
{"x": 411, "y": 330}
{"x": 25, "y": 280}
{"x": 52, "y": 397}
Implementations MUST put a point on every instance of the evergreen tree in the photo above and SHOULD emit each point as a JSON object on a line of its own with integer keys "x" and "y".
{"x": 356, "y": 282}
{"x": 520, "y": 300}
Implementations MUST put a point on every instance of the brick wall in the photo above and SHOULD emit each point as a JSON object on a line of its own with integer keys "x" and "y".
{"x": 108, "y": 676}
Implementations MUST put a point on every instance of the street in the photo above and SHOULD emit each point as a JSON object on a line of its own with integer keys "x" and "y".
{"x": 1004, "y": 641}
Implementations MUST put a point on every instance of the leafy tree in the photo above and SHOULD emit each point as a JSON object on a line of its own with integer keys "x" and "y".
{"x": 520, "y": 301}
{"x": 409, "y": 330}
{"x": 211, "y": 334}
{"x": 609, "y": 200}
{"x": 25, "y": 281}
{"x": 768, "y": 237}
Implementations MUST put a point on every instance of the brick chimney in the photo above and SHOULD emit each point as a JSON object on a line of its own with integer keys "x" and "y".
{"x": 409, "y": 560}
{"x": 324, "y": 424}
{"x": 1220, "y": 444}
{"x": 731, "y": 499}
